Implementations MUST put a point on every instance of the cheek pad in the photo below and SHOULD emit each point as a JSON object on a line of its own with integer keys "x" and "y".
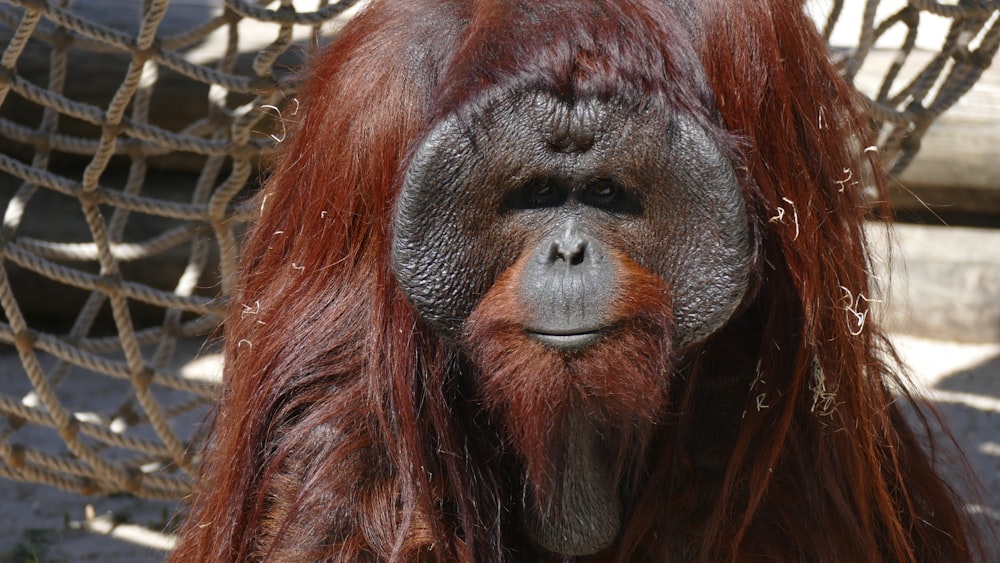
{"x": 442, "y": 250}
{"x": 697, "y": 232}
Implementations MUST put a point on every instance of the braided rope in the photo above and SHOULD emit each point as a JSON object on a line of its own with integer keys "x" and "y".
{"x": 905, "y": 109}
{"x": 106, "y": 157}
{"x": 137, "y": 440}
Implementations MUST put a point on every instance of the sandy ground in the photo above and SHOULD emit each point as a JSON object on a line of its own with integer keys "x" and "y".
{"x": 39, "y": 523}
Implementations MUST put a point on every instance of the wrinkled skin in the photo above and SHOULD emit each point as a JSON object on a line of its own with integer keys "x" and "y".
{"x": 565, "y": 190}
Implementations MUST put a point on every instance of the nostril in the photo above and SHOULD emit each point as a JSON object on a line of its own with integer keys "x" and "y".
{"x": 555, "y": 253}
{"x": 572, "y": 252}
{"x": 578, "y": 254}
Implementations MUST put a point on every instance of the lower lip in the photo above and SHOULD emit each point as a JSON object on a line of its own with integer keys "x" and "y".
{"x": 565, "y": 341}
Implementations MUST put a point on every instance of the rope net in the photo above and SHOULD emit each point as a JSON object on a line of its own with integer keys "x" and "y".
{"x": 128, "y": 140}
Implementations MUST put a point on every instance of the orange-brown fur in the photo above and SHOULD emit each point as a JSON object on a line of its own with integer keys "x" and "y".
{"x": 348, "y": 431}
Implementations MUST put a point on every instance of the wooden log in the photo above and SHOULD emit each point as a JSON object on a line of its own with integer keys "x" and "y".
{"x": 939, "y": 282}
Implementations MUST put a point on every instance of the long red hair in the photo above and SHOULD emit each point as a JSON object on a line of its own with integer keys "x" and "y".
{"x": 346, "y": 430}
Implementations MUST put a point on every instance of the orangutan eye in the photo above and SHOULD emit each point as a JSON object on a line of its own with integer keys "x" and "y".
{"x": 601, "y": 192}
{"x": 538, "y": 192}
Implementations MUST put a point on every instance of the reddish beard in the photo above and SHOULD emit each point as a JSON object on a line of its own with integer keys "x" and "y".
{"x": 614, "y": 389}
